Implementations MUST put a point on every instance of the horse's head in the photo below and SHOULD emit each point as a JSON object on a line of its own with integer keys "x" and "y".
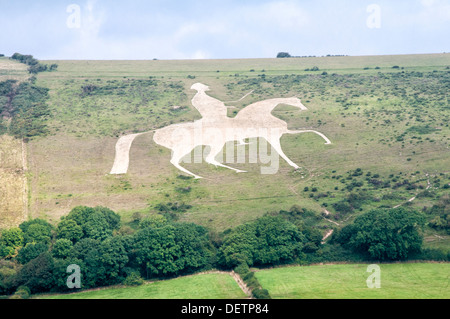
{"x": 200, "y": 87}
{"x": 296, "y": 102}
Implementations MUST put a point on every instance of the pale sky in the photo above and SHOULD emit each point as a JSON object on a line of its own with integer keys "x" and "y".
{"x": 192, "y": 29}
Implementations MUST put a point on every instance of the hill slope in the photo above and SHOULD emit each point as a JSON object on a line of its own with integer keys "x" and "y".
{"x": 387, "y": 117}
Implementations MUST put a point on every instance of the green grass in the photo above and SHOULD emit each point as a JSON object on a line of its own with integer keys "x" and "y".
{"x": 348, "y": 281}
{"x": 204, "y": 286}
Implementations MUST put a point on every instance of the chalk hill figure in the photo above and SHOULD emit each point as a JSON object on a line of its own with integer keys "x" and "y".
{"x": 215, "y": 129}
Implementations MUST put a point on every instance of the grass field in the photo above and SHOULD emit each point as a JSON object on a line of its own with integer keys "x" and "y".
{"x": 398, "y": 281}
{"x": 204, "y": 286}
{"x": 346, "y": 281}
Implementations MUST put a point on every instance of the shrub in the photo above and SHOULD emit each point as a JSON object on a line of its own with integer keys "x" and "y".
{"x": 283, "y": 55}
{"x": 133, "y": 279}
{"x": 22, "y": 292}
{"x": 260, "y": 293}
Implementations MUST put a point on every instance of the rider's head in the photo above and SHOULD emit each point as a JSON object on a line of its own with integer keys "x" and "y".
{"x": 200, "y": 87}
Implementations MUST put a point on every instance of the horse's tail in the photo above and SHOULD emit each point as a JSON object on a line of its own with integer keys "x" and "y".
{"x": 327, "y": 140}
{"x": 122, "y": 158}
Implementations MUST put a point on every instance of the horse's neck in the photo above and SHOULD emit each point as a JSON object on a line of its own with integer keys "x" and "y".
{"x": 269, "y": 106}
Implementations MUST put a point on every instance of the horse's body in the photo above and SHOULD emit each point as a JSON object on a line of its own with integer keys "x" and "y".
{"x": 215, "y": 128}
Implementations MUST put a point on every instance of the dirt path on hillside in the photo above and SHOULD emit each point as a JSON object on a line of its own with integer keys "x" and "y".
{"x": 330, "y": 232}
{"x": 414, "y": 197}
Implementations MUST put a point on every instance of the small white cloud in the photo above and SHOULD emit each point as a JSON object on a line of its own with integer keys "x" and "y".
{"x": 200, "y": 54}
{"x": 427, "y": 3}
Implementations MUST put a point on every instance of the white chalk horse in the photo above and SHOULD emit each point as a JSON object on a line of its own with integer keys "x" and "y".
{"x": 215, "y": 129}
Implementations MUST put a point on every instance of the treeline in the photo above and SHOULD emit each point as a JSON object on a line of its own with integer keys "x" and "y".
{"x": 287, "y": 55}
{"x": 25, "y": 105}
{"x": 35, "y": 255}
{"x": 34, "y": 66}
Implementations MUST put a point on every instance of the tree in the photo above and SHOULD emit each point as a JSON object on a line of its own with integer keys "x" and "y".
{"x": 153, "y": 221}
{"x": 155, "y": 251}
{"x": 238, "y": 246}
{"x": 37, "y": 230}
{"x": 69, "y": 229}
{"x": 10, "y": 241}
{"x": 31, "y": 251}
{"x": 277, "y": 241}
{"x": 194, "y": 246}
{"x": 38, "y": 233}
{"x": 62, "y": 248}
{"x": 87, "y": 250}
{"x": 37, "y": 274}
{"x": 268, "y": 240}
{"x": 112, "y": 259}
{"x": 97, "y": 223}
{"x": 385, "y": 234}
{"x": 60, "y": 273}
{"x": 283, "y": 55}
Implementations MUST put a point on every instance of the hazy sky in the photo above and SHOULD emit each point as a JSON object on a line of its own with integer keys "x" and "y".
{"x": 134, "y": 29}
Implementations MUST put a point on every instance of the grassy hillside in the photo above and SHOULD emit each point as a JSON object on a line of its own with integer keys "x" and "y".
{"x": 391, "y": 123}
{"x": 13, "y": 187}
{"x": 398, "y": 281}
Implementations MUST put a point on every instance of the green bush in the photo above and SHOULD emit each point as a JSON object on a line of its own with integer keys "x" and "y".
{"x": 22, "y": 292}
{"x": 133, "y": 279}
{"x": 260, "y": 293}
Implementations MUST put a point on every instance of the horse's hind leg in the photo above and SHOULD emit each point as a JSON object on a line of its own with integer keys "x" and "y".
{"x": 176, "y": 159}
{"x": 211, "y": 158}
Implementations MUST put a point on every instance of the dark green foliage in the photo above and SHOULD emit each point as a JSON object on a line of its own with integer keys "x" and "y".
{"x": 31, "y": 251}
{"x": 62, "y": 248}
{"x": 384, "y": 234}
{"x": 60, "y": 273}
{"x": 260, "y": 293}
{"x": 97, "y": 223}
{"x": 34, "y": 65}
{"x": 440, "y": 214}
{"x": 36, "y": 231}
{"x": 69, "y": 229}
{"x": 10, "y": 240}
{"x": 109, "y": 264}
{"x": 82, "y": 248}
{"x": 133, "y": 278}
{"x": 251, "y": 281}
{"x": 171, "y": 249}
{"x": 283, "y": 55}
{"x": 268, "y": 240}
{"x": 278, "y": 241}
{"x": 8, "y": 272}
{"x": 37, "y": 274}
